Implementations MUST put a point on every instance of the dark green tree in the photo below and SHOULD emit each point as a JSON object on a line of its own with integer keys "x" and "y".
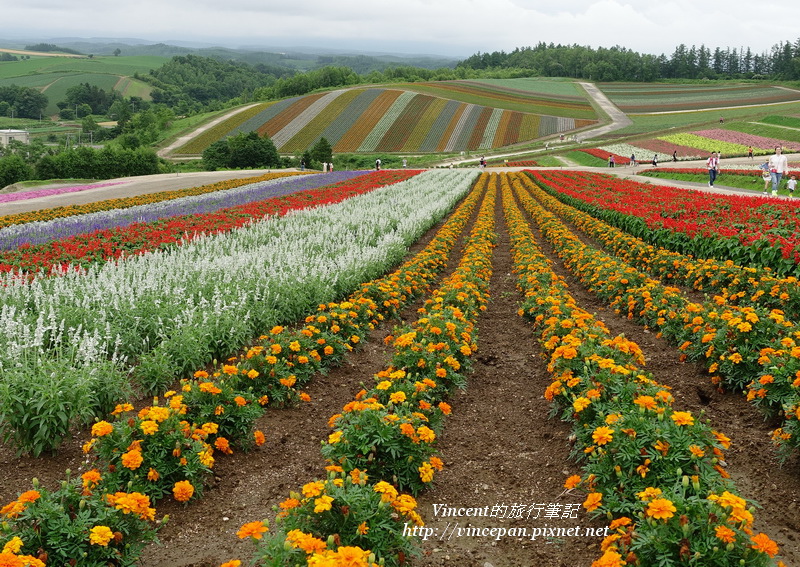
{"x": 322, "y": 151}
{"x": 13, "y": 169}
{"x": 217, "y": 155}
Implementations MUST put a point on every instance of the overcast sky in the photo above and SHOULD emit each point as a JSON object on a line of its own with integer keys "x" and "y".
{"x": 456, "y": 28}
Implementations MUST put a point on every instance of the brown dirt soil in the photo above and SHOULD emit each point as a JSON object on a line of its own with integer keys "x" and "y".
{"x": 499, "y": 448}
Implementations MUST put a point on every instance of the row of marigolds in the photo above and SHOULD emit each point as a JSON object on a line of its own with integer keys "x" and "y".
{"x": 742, "y": 336}
{"x": 387, "y": 435}
{"x": 168, "y": 448}
{"x": 650, "y": 468}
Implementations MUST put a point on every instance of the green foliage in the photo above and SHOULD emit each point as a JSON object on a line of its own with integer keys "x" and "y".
{"x": 13, "y": 169}
{"x": 76, "y": 525}
{"x": 36, "y": 416}
{"x": 26, "y": 102}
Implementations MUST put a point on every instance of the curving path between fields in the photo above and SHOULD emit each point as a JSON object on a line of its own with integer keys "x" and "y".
{"x": 165, "y": 151}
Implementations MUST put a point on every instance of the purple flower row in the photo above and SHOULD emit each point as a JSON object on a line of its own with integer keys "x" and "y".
{"x": 22, "y": 195}
{"x": 45, "y": 231}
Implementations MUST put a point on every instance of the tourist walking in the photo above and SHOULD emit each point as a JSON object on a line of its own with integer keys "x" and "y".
{"x": 712, "y": 163}
{"x": 778, "y": 167}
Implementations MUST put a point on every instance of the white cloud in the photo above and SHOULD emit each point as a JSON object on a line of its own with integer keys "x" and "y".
{"x": 454, "y": 27}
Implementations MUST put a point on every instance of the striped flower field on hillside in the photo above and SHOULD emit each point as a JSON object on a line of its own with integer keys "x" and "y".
{"x": 385, "y": 120}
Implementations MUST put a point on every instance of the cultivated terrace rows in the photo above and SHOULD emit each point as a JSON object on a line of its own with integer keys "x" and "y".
{"x": 556, "y": 429}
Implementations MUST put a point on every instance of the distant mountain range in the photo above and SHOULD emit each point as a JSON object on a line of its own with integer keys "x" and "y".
{"x": 253, "y": 54}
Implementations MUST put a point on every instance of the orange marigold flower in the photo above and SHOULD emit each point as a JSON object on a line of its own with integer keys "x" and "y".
{"x": 132, "y": 460}
{"x": 682, "y": 418}
{"x": 610, "y": 558}
{"x": 259, "y": 437}
{"x": 232, "y": 563}
{"x": 29, "y": 496}
{"x": 593, "y": 501}
{"x": 661, "y": 509}
{"x": 102, "y": 428}
{"x": 289, "y": 503}
{"x": 762, "y": 543}
{"x": 223, "y": 445}
{"x": 725, "y": 534}
{"x": 183, "y": 491}
{"x": 619, "y": 523}
{"x": 153, "y": 475}
{"x": 240, "y": 401}
{"x": 313, "y": 489}
{"x": 572, "y": 482}
{"x": 603, "y": 435}
{"x": 254, "y": 530}
{"x": 445, "y": 408}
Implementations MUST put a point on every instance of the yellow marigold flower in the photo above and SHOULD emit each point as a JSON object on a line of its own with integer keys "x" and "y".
{"x": 254, "y": 530}
{"x": 682, "y": 418}
{"x": 100, "y": 535}
{"x": 149, "y": 427}
{"x": 593, "y": 501}
{"x": 426, "y": 434}
{"x": 661, "y": 509}
{"x": 294, "y": 346}
{"x": 649, "y": 493}
{"x": 313, "y": 489}
{"x": 328, "y": 350}
{"x": 209, "y": 388}
{"x": 387, "y": 491}
{"x": 183, "y": 491}
{"x": 645, "y": 402}
{"x": 397, "y": 397}
{"x": 404, "y": 503}
{"x": 323, "y": 504}
{"x": 335, "y": 437}
{"x": 426, "y": 472}
{"x": 102, "y": 428}
{"x": 581, "y": 404}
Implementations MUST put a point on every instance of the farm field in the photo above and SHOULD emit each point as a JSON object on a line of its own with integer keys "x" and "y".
{"x": 524, "y": 352}
{"x": 637, "y": 98}
{"x": 54, "y": 75}
{"x": 451, "y": 116}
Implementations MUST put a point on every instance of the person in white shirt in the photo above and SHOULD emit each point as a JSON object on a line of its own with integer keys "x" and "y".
{"x": 791, "y": 185}
{"x": 778, "y": 166}
{"x": 712, "y": 164}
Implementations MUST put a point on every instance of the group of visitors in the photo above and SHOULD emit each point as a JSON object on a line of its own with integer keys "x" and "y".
{"x": 772, "y": 170}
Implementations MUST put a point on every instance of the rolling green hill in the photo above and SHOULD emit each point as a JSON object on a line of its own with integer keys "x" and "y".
{"x": 54, "y": 75}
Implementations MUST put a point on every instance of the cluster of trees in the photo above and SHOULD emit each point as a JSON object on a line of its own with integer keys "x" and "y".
{"x": 189, "y": 83}
{"x": 22, "y": 102}
{"x": 621, "y": 64}
{"x": 50, "y": 48}
{"x": 22, "y": 162}
{"x": 241, "y": 151}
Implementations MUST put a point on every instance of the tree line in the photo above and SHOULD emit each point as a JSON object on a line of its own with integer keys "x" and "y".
{"x": 782, "y": 62}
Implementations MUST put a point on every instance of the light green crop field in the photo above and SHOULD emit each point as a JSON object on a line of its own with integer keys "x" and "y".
{"x": 542, "y": 86}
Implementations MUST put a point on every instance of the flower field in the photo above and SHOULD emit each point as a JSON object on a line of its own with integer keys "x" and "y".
{"x": 699, "y": 144}
{"x": 391, "y": 120}
{"x": 407, "y": 347}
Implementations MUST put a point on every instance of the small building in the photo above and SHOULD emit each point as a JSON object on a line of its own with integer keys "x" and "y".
{"x": 19, "y": 135}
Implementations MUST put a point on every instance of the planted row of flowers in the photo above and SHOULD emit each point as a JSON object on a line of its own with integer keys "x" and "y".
{"x": 745, "y": 230}
{"x": 172, "y": 312}
{"x": 383, "y": 441}
{"x": 127, "y": 202}
{"x": 169, "y": 449}
{"x": 61, "y": 244}
{"x": 744, "y": 347}
{"x": 35, "y": 193}
{"x": 655, "y": 470}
